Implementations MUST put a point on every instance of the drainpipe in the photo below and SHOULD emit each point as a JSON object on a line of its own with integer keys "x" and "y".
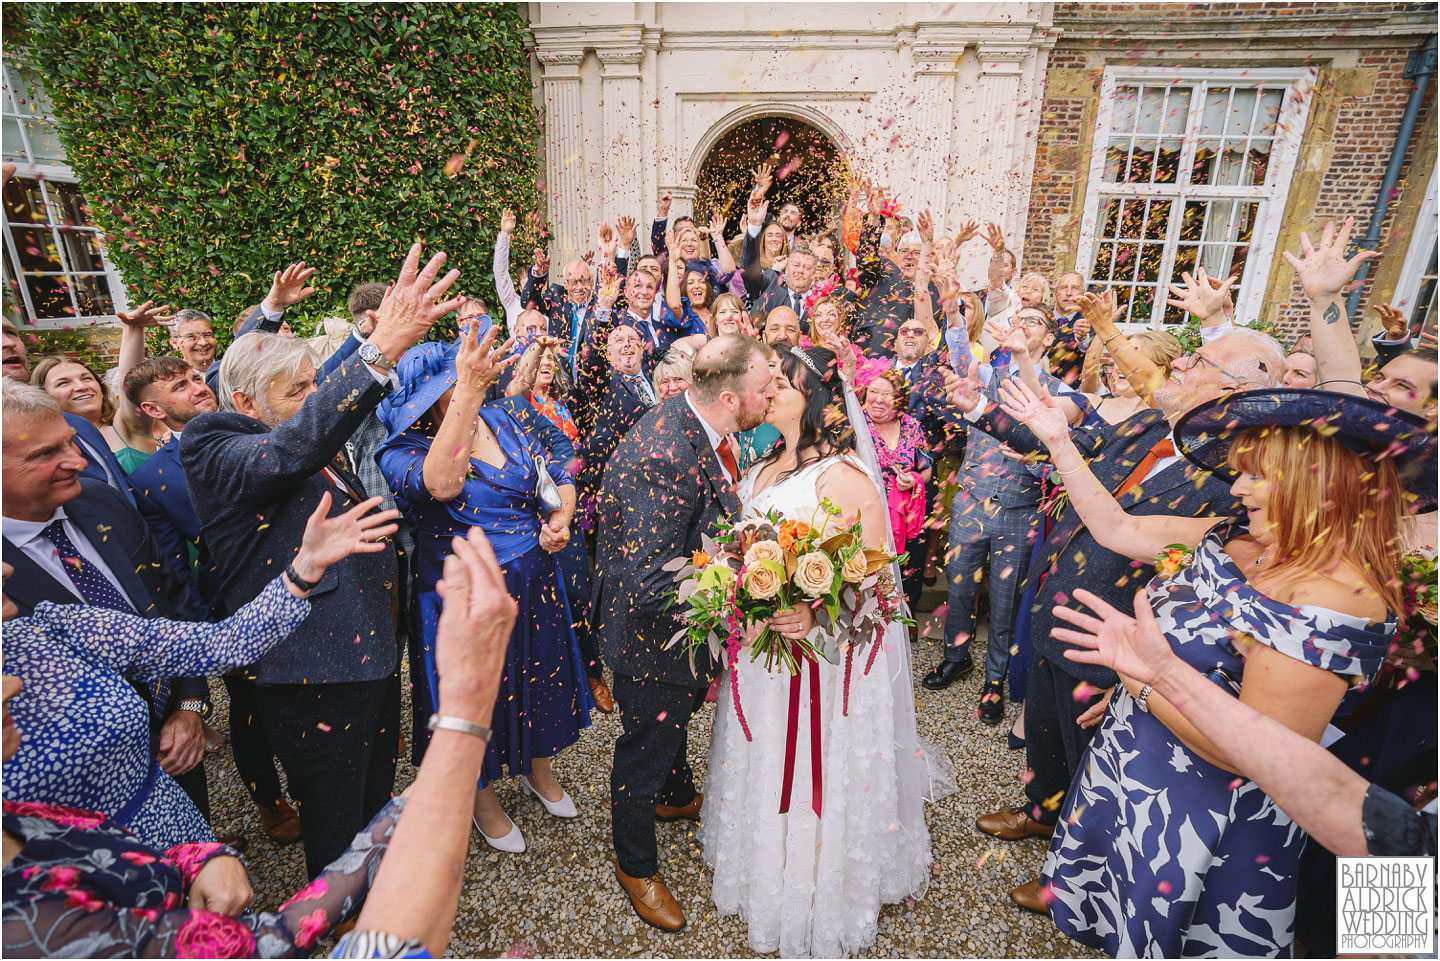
{"x": 1419, "y": 68}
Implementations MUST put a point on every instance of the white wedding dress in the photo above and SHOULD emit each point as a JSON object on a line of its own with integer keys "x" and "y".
{"x": 808, "y": 886}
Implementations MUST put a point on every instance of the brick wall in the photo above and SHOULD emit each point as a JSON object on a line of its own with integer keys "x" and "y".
{"x": 1364, "y": 132}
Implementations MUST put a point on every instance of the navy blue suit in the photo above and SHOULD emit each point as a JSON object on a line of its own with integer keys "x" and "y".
{"x": 164, "y": 502}
{"x": 99, "y": 457}
{"x": 329, "y": 694}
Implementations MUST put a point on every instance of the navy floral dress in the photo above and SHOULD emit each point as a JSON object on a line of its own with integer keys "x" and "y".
{"x": 84, "y": 887}
{"x": 1158, "y": 852}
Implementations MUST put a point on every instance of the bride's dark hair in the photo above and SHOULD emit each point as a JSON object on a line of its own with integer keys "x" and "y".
{"x": 824, "y": 427}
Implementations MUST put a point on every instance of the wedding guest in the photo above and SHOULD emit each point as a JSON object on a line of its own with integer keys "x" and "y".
{"x": 901, "y": 449}
{"x": 79, "y": 391}
{"x": 727, "y": 316}
{"x": 78, "y": 884}
{"x": 673, "y": 374}
{"x": 1072, "y": 330}
{"x": 1310, "y": 598}
{"x": 510, "y": 301}
{"x": 455, "y": 462}
{"x": 689, "y": 293}
{"x": 330, "y": 693}
{"x": 890, "y": 287}
{"x": 547, "y": 396}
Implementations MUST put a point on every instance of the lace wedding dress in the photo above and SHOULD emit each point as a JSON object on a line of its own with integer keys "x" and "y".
{"x": 807, "y": 885}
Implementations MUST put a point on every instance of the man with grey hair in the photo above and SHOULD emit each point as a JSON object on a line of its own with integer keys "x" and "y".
{"x": 1137, "y": 462}
{"x": 329, "y": 694}
{"x": 73, "y": 540}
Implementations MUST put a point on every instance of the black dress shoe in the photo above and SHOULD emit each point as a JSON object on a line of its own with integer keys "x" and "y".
{"x": 992, "y": 703}
{"x": 947, "y": 673}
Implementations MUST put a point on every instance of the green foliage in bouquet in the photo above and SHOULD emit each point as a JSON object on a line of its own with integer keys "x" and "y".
{"x": 219, "y": 142}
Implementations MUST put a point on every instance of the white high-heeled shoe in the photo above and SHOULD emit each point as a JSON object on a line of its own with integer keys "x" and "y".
{"x": 563, "y": 808}
{"x": 512, "y": 843}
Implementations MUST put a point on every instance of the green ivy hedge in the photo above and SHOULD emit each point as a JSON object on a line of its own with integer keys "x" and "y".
{"x": 219, "y": 142}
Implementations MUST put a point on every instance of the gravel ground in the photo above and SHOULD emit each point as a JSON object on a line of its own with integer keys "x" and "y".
{"x": 560, "y": 898}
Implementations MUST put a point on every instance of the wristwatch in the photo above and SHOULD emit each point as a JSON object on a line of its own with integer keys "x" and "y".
{"x": 196, "y": 705}
{"x": 1142, "y": 699}
{"x": 371, "y": 355}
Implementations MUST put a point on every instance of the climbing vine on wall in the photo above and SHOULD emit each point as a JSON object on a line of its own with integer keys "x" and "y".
{"x": 219, "y": 142}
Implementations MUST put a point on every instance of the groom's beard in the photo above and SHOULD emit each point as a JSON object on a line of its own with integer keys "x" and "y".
{"x": 749, "y": 418}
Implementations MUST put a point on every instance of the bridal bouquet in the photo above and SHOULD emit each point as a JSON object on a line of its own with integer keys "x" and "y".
{"x": 767, "y": 563}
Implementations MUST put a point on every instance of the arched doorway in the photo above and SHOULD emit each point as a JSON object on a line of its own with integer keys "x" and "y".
{"x": 810, "y": 171}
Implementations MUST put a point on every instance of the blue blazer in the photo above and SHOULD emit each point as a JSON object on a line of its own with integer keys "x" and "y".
{"x": 254, "y": 487}
{"x": 122, "y": 539}
{"x": 163, "y": 498}
{"x": 94, "y": 446}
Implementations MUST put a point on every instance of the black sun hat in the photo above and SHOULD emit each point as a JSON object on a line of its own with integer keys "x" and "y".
{"x": 1372, "y": 429}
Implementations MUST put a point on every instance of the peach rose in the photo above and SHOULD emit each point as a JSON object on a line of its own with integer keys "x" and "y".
{"x": 762, "y": 581}
{"x": 767, "y": 550}
{"x": 853, "y": 570}
{"x": 814, "y": 573}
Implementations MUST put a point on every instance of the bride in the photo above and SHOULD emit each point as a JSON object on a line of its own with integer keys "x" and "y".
{"x": 808, "y": 884}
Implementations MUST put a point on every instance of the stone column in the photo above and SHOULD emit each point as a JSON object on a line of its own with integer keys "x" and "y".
{"x": 564, "y": 157}
{"x": 1000, "y": 173}
{"x": 932, "y": 131}
{"x": 621, "y": 163}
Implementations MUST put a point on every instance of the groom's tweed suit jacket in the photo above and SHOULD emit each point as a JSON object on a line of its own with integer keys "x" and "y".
{"x": 663, "y": 487}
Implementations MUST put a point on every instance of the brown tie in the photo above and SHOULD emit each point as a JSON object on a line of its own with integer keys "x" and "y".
{"x": 727, "y": 458}
{"x": 1163, "y": 448}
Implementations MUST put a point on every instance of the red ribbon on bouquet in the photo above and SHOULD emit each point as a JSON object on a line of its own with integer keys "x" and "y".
{"x": 792, "y": 732}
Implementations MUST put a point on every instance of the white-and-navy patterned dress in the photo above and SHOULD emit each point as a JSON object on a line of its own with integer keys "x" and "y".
{"x": 84, "y": 729}
{"x": 1158, "y": 852}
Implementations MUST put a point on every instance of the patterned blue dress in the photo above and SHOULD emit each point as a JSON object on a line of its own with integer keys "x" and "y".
{"x": 85, "y": 731}
{"x": 1159, "y": 852}
{"x": 544, "y": 698}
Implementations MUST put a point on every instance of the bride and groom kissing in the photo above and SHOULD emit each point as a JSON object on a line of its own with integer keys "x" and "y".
{"x": 810, "y": 881}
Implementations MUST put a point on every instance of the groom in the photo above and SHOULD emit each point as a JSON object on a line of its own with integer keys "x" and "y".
{"x": 671, "y": 479}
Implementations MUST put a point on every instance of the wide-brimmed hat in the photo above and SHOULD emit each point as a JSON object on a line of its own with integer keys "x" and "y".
{"x": 425, "y": 373}
{"x": 1372, "y": 429}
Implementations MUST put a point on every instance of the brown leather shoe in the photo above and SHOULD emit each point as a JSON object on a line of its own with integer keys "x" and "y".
{"x": 1013, "y": 825}
{"x": 690, "y": 812}
{"x": 652, "y": 900}
{"x": 1028, "y": 896}
{"x": 600, "y": 691}
{"x": 280, "y": 821}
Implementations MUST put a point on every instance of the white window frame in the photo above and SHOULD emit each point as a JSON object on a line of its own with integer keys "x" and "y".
{"x": 1272, "y": 196}
{"x": 1417, "y": 257}
{"x": 50, "y": 173}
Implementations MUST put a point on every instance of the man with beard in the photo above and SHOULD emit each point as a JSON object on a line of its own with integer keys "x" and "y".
{"x": 1136, "y": 460}
{"x": 670, "y": 481}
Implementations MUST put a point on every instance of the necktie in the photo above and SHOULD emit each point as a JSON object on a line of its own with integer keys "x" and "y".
{"x": 1163, "y": 448}
{"x": 642, "y": 388}
{"x": 97, "y": 591}
{"x": 726, "y": 451}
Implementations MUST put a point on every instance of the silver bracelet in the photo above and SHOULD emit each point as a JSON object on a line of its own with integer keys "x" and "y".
{"x": 1142, "y": 700}
{"x": 1066, "y": 473}
{"x": 459, "y": 724}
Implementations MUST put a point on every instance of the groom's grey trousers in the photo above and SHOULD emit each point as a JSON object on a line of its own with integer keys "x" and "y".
{"x": 650, "y": 765}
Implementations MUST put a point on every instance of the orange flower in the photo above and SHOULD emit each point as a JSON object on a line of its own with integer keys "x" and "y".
{"x": 700, "y": 559}
{"x": 801, "y": 528}
{"x": 787, "y": 540}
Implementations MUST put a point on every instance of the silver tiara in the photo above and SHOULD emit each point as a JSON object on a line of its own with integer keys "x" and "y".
{"x": 810, "y": 364}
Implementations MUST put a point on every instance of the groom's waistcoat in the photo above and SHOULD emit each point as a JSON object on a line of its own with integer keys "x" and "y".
{"x": 663, "y": 488}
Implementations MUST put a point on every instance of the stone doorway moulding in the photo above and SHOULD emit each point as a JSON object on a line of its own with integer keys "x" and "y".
{"x": 684, "y": 191}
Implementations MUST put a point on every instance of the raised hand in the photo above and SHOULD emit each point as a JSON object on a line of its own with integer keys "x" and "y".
{"x": 478, "y": 361}
{"x": 625, "y": 226}
{"x": 540, "y": 266}
{"x": 476, "y": 618}
{"x": 507, "y": 221}
{"x": 413, "y": 304}
{"x": 1036, "y": 411}
{"x": 995, "y": 237}
{"x": 1202, "y": 296}
{"x": 747, "y": 326}
{"x": 289, "y": 287}
{"x": 666, "y": 199}
{"x": 609, "y": 291}
{"x": 1100, "y": 311}
{"x": 925, "y": 226}
{"x": 147, "y": 315}
{"x": 1132, "y": 646}
{"x": 1011, "y": 338}
{"x": 606, "y": 240}
{"x": 965, "y": 392}
{"x": 844, "y": 353}
{"x": 717, "y": 228}
{"x": 329, "y": 540}
{"x": 1396, "y": 324}
{"x": 763, "y": 178}
{"x": 967, "y": 232}
{"x": 1323, "y": 271}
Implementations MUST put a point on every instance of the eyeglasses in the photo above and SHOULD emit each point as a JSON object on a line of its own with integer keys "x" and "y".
{"x": 191, "y": 338}
{"x": 912, "y": 331}
{"x": 1194, "y": 359}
